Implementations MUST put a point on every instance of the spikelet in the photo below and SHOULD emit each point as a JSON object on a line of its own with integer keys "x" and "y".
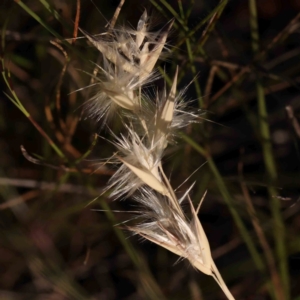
{"x": 129, "y": 57}
{"x": 139, "y": 164}
{"x": 164, "y": 224}
{"x": 170, "y": 114}
{"x": 141, "y": 155}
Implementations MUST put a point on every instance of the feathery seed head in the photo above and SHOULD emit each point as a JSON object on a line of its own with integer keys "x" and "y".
{"x": 128, "y": 60}
{"x": 129, "y": 57}
{"x": 164, "y": 225}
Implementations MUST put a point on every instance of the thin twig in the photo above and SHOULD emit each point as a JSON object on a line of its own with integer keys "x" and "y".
{"x": 101, "y": 169}
{"x": 113, "y": 21}
{"x": 76, "y": 23}
{"x": 46, "y": 186}
{"x": 209, "y": 84}
{"x": 19, "y": 199}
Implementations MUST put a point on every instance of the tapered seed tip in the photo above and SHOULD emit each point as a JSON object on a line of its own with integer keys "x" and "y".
{"x": 144, "y": 15}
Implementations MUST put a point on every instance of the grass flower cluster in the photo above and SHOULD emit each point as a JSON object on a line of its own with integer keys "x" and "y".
{"x": 151, "y": 122}
{"x": 245, "y": 61}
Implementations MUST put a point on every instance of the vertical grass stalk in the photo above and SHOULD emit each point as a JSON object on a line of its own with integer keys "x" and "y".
{"x": 279, "y": 229}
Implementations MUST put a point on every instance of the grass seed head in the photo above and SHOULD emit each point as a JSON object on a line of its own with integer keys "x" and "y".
{"x": 129, "y": 57}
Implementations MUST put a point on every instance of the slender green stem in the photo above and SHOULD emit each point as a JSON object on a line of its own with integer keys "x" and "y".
{"x": 181, "y": 9}
{"x": 279, "y": 229}
{"x": 38, "y": 19}
{"x": 174, "y": 13}
{"x": 16, "y": 101}
{"x": 190, "y": 9}
{"x": 56, "y": 15}
{"x": 48, "y": 28}
{"x": 194, "y": 71}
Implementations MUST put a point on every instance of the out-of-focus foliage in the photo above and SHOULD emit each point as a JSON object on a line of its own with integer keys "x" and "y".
{"x": 55, "y": 245}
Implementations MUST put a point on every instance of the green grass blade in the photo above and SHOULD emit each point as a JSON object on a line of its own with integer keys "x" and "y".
{"x": 279, "y": 228}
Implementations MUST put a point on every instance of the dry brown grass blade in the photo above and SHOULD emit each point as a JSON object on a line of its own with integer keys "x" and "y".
{"x": 208, "y": 86}
{"x": 260, "y": 234}
{"x": 20, "y": 199}
{"x": 76, "y": 23}
{"x": 46, "y": 186}
{"x": 294, "y": 121}
{"x": 71, "y": 120}
{"x": 59, "y": 84}
{"x": 60, "y": 137}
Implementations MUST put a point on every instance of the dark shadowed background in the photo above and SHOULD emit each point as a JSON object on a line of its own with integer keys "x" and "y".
{"x": 54, "y": 245}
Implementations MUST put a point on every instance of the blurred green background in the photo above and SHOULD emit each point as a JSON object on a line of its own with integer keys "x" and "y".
{"x": 244, "y": 57}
